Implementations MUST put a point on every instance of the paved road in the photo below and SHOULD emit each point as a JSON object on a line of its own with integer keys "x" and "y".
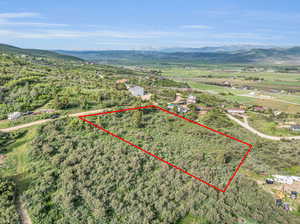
{"x": 47, "y": 120}
{"x": 249, "y": 128}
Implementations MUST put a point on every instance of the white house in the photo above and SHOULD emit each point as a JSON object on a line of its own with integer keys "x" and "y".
{"x": 136, "y": 91}
{"x": 286, "y": 179}
{"x": 191, "y": 99}
{"x": 236, "y": 111}
{"x": 14, "y": 116}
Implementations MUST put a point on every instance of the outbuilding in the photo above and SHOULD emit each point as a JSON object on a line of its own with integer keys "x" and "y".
{"x": 14, "y": 115}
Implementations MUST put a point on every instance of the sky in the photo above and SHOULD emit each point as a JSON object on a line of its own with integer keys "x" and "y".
{"x": 145, "y": 24}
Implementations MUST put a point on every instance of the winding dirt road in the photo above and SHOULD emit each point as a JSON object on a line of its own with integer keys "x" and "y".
{"x": 249, "y": 128}
{"x": 243, "y": 124}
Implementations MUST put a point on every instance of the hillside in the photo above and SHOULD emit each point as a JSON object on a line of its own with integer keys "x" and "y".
{"x": 66, "y": 171}
{"x": 8, "y": 49}
{"x": 192, "y": 56}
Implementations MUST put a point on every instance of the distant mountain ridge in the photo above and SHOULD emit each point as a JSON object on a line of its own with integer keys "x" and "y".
{"x": 225, "y": 48}
{"x": 5, "y": 48}
{"x": 267, "y": 55}
{"x": 207, "y": 55}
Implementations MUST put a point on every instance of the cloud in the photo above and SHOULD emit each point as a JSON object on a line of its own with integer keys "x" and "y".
{"x": 8, "y": 23}
{"x": 6, "y": 20}
{"x": 61, "y": 34}
{"x": 196, "y": 27}
{"x": 19, "y": 15}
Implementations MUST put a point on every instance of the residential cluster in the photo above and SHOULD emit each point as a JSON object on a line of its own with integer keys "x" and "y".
{"x": 282, "y": 195}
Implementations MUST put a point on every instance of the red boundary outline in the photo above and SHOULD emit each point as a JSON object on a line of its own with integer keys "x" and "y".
{"x": 170, "y": 164}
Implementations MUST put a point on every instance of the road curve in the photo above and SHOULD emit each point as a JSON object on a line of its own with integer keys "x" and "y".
{"x": 249, "y": 128}
{"x": 15, "y": 128}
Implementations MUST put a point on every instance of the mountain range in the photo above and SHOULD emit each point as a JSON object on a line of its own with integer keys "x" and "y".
{"x": 207, "y": 55}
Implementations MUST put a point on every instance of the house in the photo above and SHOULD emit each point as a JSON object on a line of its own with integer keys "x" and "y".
{"x": 226, "y": 83}
{"x": 236, "y": 111}
{"x": 286, "y": 179}
{"x": 171, "y": 106}
{"x": 269, "y": 181}
{"x": 278, "y": 202}
{"x": 277, "y": 113}
{"x": 295, "y": 127}
{"x": 294, "y": 194}
{"x": 259, "y": 109}
{"x": 146, "y": 97}
{"x": 14, "y": 116}
{"x": 286, "y": 206}
{"x": 136, "y": 90}
{"x": 201, "y": 108}
{"x": 191, "y": 99}
{"x": 182, "y": 109}
{"x": 122, "y": 81}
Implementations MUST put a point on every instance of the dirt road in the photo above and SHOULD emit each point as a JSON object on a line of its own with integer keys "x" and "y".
{"x": 47, "y": 120}
{"x": 249, "y": 128}
{"x": 24, "y": 125}
{"x": 24, "y": 217}
{"x": 243, "y": 124}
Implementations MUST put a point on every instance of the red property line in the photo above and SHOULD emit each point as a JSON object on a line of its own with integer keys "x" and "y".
{"x": 170, "y": 164}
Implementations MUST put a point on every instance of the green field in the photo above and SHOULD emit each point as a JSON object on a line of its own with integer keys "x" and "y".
{"x": 199, "y": 77}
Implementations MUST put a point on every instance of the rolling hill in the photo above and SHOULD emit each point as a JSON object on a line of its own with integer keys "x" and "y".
{"x": 8, "y": 49}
